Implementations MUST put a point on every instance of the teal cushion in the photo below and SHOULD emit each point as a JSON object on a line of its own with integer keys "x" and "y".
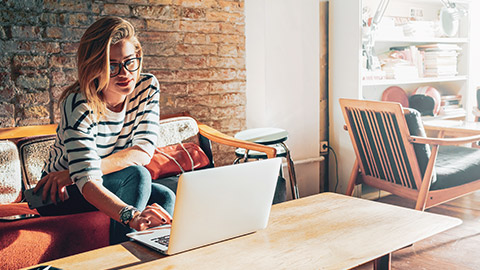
{"x": 455, "y": 166}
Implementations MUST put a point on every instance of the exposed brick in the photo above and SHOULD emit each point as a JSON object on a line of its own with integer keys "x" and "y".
{"x": 141, "y": 2}
{"x": 7, "y": 122}
{"x": 160, "y": 2}
{"x": 54, "y": 32}
{"x": 35, "y": 112}
{"x": 162, "y": 25}
{"x": 77, "y": 19}
{"x": 237, "y": 112}
{"x": 198, "y": 88}
{"x": 175, "y": 89}
{"x": 232, "y": 28}
{"x": 154, "y": 12}
{"x": 195, "y": 48}
{"x": 193, "y": 13}
{"x": 195, "y": 62}
{"x": 38, "y": 47}
{"x": 163, "y": 62}
{"x": 226, "y": 62}
{"x": 185, "y": 49}
{"x": 70, "y": 47}
{"x": 226, "y": 74}
{"x": 164, "y": 75}
{"x": 63, "y": 77}
{"x": 158, "y": 37}
{"x": 73, "y": 34}
{"x": 19, "y": 17}
{"x": 26, "y": 32}
{"x": 66, "y": 5}
{"x": 62, "y": 61}
{"x": 7, "y": 110}
{"x": 34, "y": 98}
{"x": 158, "y": 49}
{"x": 224, "y": 17}
{"x": 33, "y": 81}
{"x": 199, "y": 27}
{"x": 226, "y": 39}
{"x": 226, "y": 87}
{"x": 228, "y": 50}
{"x": 194, "y": 75}
{"x": 116, "y": 9}
{"x": 33, "y": 121}
{"x": 37, "y": 61}
{"x": 232, "y": 6}
{"x": 195, "y": 38}
{"x": 56, "y": 92}
{"x": 197, "y": 3}
{"x": 232, "y": 99}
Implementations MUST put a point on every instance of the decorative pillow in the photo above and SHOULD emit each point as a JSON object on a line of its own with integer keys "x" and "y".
{"x": 175, "y": 159}
{"x": 176, "y": 130}
{"x": 34, "y": 151}
{"x": 10, "y": 173}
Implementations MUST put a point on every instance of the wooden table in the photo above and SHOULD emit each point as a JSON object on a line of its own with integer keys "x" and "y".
{"x": 453, "y": 127}
{"x": 324, "y": 231}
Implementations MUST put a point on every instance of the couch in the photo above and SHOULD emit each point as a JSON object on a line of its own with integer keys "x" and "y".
{"x": 23, "y": 151}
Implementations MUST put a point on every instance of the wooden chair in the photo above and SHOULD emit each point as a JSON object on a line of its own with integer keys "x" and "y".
{"x": 394, "y": 154}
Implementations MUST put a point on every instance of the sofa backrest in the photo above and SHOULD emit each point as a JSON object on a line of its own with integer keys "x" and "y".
{"x": 10, "y": 173}
{"x": 22, "y": 158}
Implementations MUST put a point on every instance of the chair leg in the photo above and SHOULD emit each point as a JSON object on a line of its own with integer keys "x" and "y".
{"x": 291, "y": 173}
{"x": 353, "y": 179}
{"x": 426, "y": 181}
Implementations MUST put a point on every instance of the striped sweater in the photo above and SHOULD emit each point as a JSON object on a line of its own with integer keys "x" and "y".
{"x": 82, "y": 141}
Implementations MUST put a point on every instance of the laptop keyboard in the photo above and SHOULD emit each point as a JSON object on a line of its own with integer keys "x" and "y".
{"x": 162, "y": 240}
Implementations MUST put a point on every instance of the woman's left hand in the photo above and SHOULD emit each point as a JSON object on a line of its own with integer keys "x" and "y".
{"x": 54, "y": 183}
{"x": 153, "y": 216}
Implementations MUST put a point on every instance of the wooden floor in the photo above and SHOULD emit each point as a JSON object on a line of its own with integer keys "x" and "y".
{"x": 457, "y": 248}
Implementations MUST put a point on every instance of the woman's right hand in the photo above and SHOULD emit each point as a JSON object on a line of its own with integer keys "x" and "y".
{"x": 54, "y": 183}
{"x": 153, "y": 216}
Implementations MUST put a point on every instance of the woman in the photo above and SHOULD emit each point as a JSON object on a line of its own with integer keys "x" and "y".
{"x": 108, "y": 131}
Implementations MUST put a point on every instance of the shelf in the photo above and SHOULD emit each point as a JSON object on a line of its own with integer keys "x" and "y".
{"x": 413, "y": 81}
{"x": 421, "y": 40}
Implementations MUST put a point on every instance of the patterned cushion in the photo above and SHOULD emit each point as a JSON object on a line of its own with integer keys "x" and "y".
{"x": 10, "y": 173}
{"x": 34, "y": 152}
{"x": 176, "y": 130}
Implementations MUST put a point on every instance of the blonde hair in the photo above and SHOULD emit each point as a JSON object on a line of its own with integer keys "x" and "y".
{"x": 93, "y": 59}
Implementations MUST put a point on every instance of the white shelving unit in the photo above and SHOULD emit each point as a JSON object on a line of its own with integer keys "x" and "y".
{"x": 346, "y": 66}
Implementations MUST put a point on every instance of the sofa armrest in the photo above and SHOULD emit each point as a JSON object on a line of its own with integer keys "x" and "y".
{"x": 27, "y": 131}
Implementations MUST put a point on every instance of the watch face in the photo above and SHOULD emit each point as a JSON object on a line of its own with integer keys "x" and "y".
{"x": 126, "y": 215}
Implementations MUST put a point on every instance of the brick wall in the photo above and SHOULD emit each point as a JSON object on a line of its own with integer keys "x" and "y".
{"x": 196, "y": 48}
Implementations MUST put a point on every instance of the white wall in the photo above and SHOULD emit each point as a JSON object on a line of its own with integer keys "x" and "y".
{"x": 283, "y": 77}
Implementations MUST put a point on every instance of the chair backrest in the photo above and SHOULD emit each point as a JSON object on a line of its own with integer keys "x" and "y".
{"x": 379, "y": 134}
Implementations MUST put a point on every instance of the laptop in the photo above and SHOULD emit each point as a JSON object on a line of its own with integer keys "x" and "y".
{"x": 216, "y": 204}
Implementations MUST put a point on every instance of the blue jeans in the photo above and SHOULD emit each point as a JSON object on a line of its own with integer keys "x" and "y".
{"x": 133, "y": 185}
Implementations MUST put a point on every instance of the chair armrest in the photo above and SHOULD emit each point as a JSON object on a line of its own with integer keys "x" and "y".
{"x": 444, "y": 141}
{"x": 219, "y": 137}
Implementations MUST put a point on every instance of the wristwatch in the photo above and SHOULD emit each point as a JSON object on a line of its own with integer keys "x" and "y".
{"x": 127, "y": 213}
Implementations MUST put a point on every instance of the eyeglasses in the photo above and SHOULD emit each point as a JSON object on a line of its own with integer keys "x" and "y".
{"x": 132, "y": 64}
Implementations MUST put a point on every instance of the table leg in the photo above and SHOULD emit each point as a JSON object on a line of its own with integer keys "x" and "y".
{"x": 383, "y": 263}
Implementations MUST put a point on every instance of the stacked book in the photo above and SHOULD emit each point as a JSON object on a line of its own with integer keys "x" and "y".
{"x": 440, "y": 59}
{"x": 451, "y": 105}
